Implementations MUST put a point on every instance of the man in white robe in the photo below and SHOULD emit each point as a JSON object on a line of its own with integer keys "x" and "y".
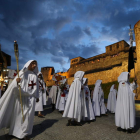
{"x": 89, "y": 107}
{"x": 125, "y": 106}
{"x": 111, "y": 102}
{"x": 10, "y": 107}
{"x": 39, "y": 105}
{"x": 53, "y": 95}
{"x": 98, "y": 100}
{"x": 73, "y": 105}
{"x": 44, "y": 93}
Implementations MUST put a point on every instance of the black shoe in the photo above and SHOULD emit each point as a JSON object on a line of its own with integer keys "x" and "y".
{"x": 119, "y": 129}
{"x": 69, "y": 123}
{"x": 129, "y": 131}
{"x": 124, "y": 130}
{"x": 92, "y": 120}
{"x": 78, "y": 124}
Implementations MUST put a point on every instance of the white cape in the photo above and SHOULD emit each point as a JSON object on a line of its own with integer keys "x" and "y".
{"x": 73, "y": 104}
{"x": 39, "y": 105}
{"x": 125, "y": 106}
{"x": 111, "y": 102}
{"x": 53, "y": 95}
{"x": 10, "y": 108}
{"x": 60, "y": 104}
{"x": 61, "y": 98}
{"x": 98, "y": 99}
{"x": 44, "y": 94}
{"x": 89, "y": 107}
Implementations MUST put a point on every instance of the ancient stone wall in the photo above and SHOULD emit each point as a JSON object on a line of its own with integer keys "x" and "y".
{"x": 137, "y": 38}
{"x": 107, "y": 66}
{"x": 106, "y": 76}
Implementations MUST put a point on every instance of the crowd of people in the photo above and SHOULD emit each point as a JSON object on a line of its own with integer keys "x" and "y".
{"x": 76, "y": 101}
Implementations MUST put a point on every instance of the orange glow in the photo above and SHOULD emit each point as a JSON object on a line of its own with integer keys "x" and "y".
{"x": 98, "y": 60}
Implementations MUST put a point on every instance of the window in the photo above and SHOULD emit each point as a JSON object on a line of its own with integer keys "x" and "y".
{"x": 117, "y": 46}
{"x": 110, "y": 48}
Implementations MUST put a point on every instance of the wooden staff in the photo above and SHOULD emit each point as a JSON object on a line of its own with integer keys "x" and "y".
{"x": 17, "y": 56}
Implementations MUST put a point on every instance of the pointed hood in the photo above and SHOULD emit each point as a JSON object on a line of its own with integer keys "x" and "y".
{"x": 79, "y": 74}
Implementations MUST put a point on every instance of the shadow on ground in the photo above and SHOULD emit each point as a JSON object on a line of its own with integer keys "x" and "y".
{"x": 47, "y": 109}
{"x": 137, "y": 127}
{"x": 39, "y": 128}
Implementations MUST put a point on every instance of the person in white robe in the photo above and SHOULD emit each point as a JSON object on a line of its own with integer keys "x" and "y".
{"x": 10, "y": 107}
{"x": 11, "y": 75}
{"x": 62, "y": 96}
{"x": 53, "y": 95}
{"x": 66, "y": 90}
{"x": 98, "y": 100}
{"x": 111, "y": 102}
{"x": 44, "y": 90}
{"x": 73, "y": 105}
{"x": 60, "y": 103}
{"x": 125, "y": 106}
{"x": 39, "y": 105}
{"x": 89, "y": 107}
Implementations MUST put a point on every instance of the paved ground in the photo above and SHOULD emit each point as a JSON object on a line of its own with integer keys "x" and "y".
{"x": 53, "y": 127}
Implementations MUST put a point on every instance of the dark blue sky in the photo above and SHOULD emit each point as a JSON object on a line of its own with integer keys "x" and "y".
{"x": 55, "y": 31}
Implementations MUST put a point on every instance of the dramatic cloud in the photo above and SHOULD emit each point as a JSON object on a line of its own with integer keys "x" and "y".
{"x": 58, "y": 60}
{"x": 64, "y": 29}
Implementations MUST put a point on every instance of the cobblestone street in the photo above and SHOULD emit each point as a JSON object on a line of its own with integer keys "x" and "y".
{"x": 53, "y": 127}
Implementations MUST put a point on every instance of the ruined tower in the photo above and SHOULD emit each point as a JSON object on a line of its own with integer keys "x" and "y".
{"x": 137, "y": 39}
{"x": 47, "y": 73}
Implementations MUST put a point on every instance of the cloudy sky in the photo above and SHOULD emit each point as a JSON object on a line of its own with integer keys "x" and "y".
{"x": 55, "y": 31}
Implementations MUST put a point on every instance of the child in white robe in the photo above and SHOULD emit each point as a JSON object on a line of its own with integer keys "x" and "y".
{"x": 61, "y": 98}
{"x": 39, "y": 105}
{"x": 98, "y": 100}
{"x": 53, "y": 95}
{"x": 89, "y": 107}
{"x": 10, "y": 107}
{"x": 125, "y": 106}
{"x": 73, "y": 104}
{"x": 111, "y": 102}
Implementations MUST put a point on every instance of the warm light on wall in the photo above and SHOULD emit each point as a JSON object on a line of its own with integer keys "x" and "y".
{"x": 1, "y": 79}
{"x": 98, "y": 60}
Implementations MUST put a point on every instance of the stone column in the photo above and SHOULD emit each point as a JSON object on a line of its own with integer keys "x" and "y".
{"x": 137, "y": 39}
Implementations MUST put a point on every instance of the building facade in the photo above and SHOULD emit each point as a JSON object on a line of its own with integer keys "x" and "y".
{"x": 5, "y": 61}
{"x": 107, "y": 66}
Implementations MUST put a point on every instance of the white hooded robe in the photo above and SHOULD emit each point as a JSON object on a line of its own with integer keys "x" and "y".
{"x": 73, "y": 104}
{"x": 39, "y": 105}
{"x": 60, "y": 104}
{"x": 98, "y": 99}
{"x": 111, "y": 102}
{"x": 10, "y": 108}
{"x": 125, "y": 106}
{"x": 53, "y": 95}
{"x": 89, "y": 107}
